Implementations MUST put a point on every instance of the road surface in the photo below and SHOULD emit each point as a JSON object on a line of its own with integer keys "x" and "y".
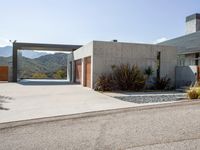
{"x": 174, "y": 127}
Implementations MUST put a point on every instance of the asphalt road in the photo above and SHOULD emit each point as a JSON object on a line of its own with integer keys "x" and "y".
{"x": 176, "y": 127}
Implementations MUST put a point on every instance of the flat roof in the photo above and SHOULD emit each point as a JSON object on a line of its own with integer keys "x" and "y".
{"x": 45, "y": 47}
{"x": 192, "y": 17}
{"x": 189, "y": 43}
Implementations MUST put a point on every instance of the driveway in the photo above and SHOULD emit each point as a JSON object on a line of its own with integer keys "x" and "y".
{"x": 21, "y": 102}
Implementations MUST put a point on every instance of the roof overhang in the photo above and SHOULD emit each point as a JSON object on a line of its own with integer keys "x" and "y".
{"x": 39, "y": 47}
{"x": 189, "y": 50}
{"x": 45, "y": 47}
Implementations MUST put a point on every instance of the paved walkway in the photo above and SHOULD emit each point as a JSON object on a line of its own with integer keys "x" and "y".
{"x": 175, "y": 127}
{"x": 24, "y": 101}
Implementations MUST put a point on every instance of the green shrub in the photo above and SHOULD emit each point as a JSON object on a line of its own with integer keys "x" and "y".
{"x": 148, "y": 71}
{"x": 162, "y": 83}
{"x": 192, "y": 94}
{"x": 123, "y": 77}
{"x": 105, "y": 83}
{"x": 39, "y": 76}
{"x": 128, "y": 78}
{"x": 149, "y": 81}
{"x": 197, "y": 89}
{"x": 60, "y": 74}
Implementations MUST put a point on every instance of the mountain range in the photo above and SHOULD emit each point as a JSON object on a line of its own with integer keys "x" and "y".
{"x": 47, "y": 64}
{"x": 7, "y": 51}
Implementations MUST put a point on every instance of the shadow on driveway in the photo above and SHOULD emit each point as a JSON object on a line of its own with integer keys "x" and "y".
{"x": 44, "y": 82}
{"x": 4, "y": 99}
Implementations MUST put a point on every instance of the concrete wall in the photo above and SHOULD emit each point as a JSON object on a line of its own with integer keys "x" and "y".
{"x": 107, "y": 54}
{"x": 185, "y": 75}
{"x": 192, "y": 26}
{"x": 81, "y": 53}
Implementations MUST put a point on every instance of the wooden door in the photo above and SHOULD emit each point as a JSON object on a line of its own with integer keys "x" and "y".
{"x": 3, "y": 73}
{"x": 88, "y": 72}
{"x": 198, "y": 73}
{"x": 78, "y": 71}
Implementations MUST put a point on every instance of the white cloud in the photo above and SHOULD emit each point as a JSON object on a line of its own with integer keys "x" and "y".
{"x": 160, "y": 40}
{"x": 5, "y": 42}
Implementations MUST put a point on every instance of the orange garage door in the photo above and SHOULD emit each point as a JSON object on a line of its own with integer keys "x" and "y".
{"x": 78, "y": 71}
{"x": 198, "y": 73}
{"x": 87, "y": 72}
{"x": 3, "y": 73}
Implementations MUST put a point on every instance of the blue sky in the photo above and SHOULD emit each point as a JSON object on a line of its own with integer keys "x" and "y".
{"x": 81, "y": 21}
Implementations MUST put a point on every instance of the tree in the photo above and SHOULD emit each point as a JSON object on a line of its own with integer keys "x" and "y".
{"x": 39, "y": 76}
{"x": 60, "y": 74}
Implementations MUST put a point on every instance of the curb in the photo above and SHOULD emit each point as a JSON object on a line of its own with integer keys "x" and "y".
{"x": 14, "y": 124}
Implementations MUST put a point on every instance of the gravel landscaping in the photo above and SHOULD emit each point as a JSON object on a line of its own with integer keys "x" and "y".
{"x": 152, "y": 98}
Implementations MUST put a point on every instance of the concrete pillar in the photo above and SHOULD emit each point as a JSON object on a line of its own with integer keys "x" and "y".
{"x": 14, "y": 64}
{"x": 72, "y": 68}
{"x": 83, "y": 72}
{"x": 68, "y": 68}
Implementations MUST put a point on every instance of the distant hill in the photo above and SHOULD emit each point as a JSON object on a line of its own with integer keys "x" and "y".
{"x": 53, "y": 61}
{"x": 6, "y": 51}
{"x": 33, "y": 54}
{"x": 47, "y": 64}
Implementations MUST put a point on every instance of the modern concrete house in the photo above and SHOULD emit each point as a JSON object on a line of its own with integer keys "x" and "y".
{"x": 188, "y": 46}
{"x": 188, "y": 52}
{"x": 87, "y": 63}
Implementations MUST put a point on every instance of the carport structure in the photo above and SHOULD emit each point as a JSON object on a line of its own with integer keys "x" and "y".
{"x": 39, "y": 47}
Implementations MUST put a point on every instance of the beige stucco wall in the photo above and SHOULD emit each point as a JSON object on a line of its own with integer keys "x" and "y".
{"x": 107, "y": 54}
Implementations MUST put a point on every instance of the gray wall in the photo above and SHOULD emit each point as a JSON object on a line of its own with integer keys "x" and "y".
{"x": 81, "y": 53}
{"x": 107, "y": 54}
{"x": 185, "y": 75}
{"x": 192, "y": 26}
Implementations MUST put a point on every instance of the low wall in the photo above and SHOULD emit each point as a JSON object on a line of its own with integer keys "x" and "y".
{"x": 185, "y": 75}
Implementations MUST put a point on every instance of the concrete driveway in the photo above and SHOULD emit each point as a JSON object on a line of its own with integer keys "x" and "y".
{"x": 22, "y": 102}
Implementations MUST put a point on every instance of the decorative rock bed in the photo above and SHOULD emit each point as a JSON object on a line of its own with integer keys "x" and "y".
{"x": 152, "y": 98}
